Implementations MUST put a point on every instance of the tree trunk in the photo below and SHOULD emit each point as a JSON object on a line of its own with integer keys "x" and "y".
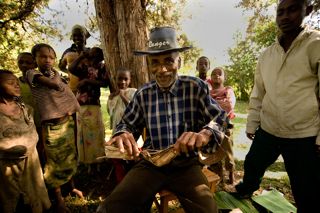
{"x": 123, "y": 29}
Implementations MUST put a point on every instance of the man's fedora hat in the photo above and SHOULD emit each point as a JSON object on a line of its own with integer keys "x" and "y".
{"x": 162, "y": 40}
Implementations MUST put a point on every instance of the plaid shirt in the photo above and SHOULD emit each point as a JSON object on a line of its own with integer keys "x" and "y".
{"x": 187, "y": 106}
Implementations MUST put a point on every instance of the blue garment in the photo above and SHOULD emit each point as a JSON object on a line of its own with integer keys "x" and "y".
{"x": 186, "y": 106}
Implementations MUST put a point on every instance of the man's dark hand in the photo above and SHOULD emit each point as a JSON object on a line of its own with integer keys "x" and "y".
{"x": 250, "y": 135}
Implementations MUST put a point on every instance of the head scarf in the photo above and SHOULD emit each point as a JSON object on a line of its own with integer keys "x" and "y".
{"x": 82, "y": 29}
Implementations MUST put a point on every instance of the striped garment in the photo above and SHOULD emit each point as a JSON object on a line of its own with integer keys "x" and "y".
{"x": 52, "y": 103}
{"x": 187, "y": 106}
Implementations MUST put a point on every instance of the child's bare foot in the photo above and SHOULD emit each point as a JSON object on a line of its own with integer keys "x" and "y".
{"x": 78, "y": 193}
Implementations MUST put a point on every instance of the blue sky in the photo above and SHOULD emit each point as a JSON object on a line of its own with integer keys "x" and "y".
{"x": 212, "y": 26}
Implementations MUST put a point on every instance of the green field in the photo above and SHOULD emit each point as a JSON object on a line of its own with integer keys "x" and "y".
{"x": 103, "y": 100}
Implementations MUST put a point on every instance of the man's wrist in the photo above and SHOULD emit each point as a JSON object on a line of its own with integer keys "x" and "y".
{"x": 207, "y": 133}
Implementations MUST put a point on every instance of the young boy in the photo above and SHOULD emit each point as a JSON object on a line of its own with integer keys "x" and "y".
{"x": 57, "y": 105}
{"x": 26, "y": 62}
{"x": 284, "y": 116}
{"x": 203, "y": 66}
{"x": 119, "y": 99}
{"x": 116, "y": 105}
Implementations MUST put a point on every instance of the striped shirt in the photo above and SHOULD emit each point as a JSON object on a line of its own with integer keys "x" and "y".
{"x": 51, "y": 103}
{"x": 187, "y": 106}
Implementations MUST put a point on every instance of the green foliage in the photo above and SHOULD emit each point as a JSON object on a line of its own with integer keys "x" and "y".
{"x": 244, "y": 56}
{"x": 190, "y": 55}
{"x": 241, "y": 71}
{"x": 261, "y": 32}
{"x": 164, "y": 13}
{"x": 21, "y": 27}
{"x": 241, "y": 107}
{"x": 265, "y": 34}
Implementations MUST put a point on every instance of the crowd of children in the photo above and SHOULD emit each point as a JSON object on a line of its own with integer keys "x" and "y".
{"x": 40, "y": 110}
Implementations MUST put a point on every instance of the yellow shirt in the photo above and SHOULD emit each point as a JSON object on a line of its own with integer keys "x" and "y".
{"x": 69, "y": 57}
{"x": 285, "y": 97}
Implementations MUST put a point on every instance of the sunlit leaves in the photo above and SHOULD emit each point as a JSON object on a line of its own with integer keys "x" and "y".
{"x": 243, "y": 61}
{"x": 265, "y": 34}
{"x": 21, "y": 27}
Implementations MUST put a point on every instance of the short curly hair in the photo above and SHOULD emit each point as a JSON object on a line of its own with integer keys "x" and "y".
{"x": 36, "y": 48}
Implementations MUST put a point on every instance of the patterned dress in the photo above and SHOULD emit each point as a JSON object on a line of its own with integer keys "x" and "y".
{"x": 58, "y": 127}
{"x": 20, "y": 170}
{"x": 91, "y": 127}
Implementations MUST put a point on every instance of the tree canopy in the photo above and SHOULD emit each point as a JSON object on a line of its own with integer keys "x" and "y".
{"x": 21, "y": 25}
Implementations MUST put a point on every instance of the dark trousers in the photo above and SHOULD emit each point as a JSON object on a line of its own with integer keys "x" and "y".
{"x": 183, "y": 177}
{"x": 301, "y": 163}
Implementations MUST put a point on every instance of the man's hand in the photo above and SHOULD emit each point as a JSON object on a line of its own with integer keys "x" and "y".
{"x": 188, "y": 141}
{"x": 250, "y": 135}
{"x": 125, "y": 141}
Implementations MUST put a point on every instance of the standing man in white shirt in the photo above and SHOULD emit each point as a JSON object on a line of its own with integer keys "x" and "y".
{"x": 284, "y": 116}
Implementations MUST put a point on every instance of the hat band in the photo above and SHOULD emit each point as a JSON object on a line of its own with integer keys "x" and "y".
{"x": 159, "y": 44}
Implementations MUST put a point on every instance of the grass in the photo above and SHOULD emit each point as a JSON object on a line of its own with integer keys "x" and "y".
{"x": 241, "y": 119}
{"x": 241, "y": 107}
{"x": 105, "y": 115}
{"x": 275, "y": 167}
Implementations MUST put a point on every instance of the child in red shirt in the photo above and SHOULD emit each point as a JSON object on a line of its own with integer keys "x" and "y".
{"x": 226, "y": 98}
